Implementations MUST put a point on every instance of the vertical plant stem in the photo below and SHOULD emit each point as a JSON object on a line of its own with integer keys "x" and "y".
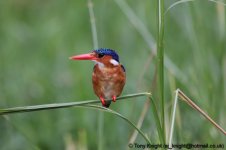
{"x": 160, "y": 57}
{"x": 173, "y": 118}
{"x": 156, "y": 117}
{"x": 95, "y": 45}
{"x": 100, "y": 130}
{"x": 93, "y": 24}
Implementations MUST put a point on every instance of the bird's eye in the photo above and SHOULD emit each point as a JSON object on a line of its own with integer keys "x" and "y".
{"x": 100, "y": 55}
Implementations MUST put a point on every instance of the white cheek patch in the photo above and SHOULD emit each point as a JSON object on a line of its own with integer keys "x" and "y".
{"x": 114, "y": 62}
{"x": 101, "y": 65}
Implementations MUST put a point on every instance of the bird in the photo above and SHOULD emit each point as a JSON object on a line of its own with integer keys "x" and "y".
{"x": 109, "y": 75}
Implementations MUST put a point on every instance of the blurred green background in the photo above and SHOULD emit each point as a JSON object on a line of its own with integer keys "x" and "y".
{"x": 37, "y": 37}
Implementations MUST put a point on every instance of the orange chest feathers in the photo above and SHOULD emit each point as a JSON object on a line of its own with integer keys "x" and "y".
{"x": 108, "y": 81}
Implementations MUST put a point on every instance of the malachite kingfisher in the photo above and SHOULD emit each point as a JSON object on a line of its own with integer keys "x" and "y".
{"x": 108, "y": 76}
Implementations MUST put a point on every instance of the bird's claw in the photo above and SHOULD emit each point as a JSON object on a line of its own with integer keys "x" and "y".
{"x": 102, "y": 101}
{"x": 114, "y": 98}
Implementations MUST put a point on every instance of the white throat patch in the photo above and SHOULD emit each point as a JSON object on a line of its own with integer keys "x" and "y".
{"x": 101, "y": 65}
{"x": 114, "y": 62}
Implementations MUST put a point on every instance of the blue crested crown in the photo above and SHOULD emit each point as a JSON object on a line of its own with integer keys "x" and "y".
{"x": 107, "y": 51}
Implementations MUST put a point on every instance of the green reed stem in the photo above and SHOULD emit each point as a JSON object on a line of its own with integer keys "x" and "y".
{"x": 95, "y": 45}
{"x": 157, "y": 120}
{"x": 160, "y": 60}
{"x": 62, "y": 105}
{"x": 121, "y": 116}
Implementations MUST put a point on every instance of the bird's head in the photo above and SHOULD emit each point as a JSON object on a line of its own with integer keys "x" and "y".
{"x": 102, "y": 56}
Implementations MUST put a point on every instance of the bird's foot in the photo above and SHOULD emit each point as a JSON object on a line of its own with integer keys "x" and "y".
{"x": 114, "y": 98}
{"x": 102, "y": 101}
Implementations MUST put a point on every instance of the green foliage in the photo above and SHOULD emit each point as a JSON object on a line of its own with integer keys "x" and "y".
{"x": 37, "y": 37}
{"x": 160, "y": 62}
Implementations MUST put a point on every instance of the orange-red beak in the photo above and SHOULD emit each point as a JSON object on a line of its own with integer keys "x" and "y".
{"x": 89, "y": 56}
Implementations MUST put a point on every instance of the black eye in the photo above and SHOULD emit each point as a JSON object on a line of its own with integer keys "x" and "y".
{"x": 100, "y": 55}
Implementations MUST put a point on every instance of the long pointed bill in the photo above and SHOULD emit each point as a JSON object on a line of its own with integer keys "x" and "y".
{"x": 89, "y": 56}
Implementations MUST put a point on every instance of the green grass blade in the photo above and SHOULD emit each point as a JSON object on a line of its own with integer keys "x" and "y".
{"x": 185, "y": 1}
{"x": 160, "y": 60}
{"x": 121, "y": 116}
{"x": 78, "y": 104}
{"x": 93, "y": 24}
{"x": 137, "y": 23}
{"x": 95, "y": 45}
{"x": 157, "y": 120}
{"x": 186, "y": 99}
{"x": 218, "y": 1}
{"x": 175, "y": 4}
{"x": 173, "y": 119}
{"x": 61, "y": 105}
{"x": 149, "y": 39}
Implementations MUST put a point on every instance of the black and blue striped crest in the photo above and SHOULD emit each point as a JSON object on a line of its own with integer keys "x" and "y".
{"x": 107, "y": 51}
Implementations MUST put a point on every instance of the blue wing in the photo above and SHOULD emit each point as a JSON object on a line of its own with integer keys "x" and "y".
{"x": 123, "y": 68}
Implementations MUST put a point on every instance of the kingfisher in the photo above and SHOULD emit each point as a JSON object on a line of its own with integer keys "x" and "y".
{"x": 109, "y": 75}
